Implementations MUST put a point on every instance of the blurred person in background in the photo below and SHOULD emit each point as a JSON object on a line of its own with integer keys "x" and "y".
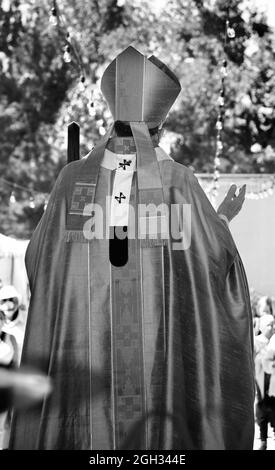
{"x": 264, "y": 342}
{"x": 19, "y": 390}
{"x": 266, "y": 330}
{"x": 263, "y": 307}
{"x": 8, "y": 345}
{"x": 10, "y": 305}
{"x": 265, "y": 388}
{"x": 8, "y": 360}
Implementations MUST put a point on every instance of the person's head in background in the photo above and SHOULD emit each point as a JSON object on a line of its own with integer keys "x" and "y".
{"x": 264, "y": 306}
{"x": 9, "y": 303}
{"x": 266, "y": 325}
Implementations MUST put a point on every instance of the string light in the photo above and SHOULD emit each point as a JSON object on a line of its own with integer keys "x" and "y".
{"x": 231, "y": 32}
{"x": 82, "y": 83}
{"x": 31, "y": 202}
{"x": 102, "y": 130}
{"x": 71, "y": 54}
{"x": 224, "y": 72}
{"x": 70, "y": 49}
{"x": 264, "y": 190}
{"x": 91, "y": 109}
{"x": 221, "y": 101}
{"x": 67, "y": 54}
{"x": 228, "y": 34}
{"x": 258, "y": 187}
{"x": 18, "y": 188}
{"x": 13, "y": 185}
{"x": 53, "y": 19}
{"x": 12, "y": 198}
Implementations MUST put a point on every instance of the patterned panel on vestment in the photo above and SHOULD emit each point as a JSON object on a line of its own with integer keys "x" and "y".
{"x": 129, "y": 393}
{"x": 125, "y": 146}
{"x": 82, "y": 195}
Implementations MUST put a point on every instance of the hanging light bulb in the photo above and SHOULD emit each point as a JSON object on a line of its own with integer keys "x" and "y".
{"x": 231, "y": 33}
{"x": 12, "y": 198}
{"x": 91, "y": 109}
{"x": 217, "y": 161}
{"x": 221, "y": 101}
{"x": 53, "y": 17}
{"x": 31, "y": 202}
{"x": 82, "y": 83}
{"x": 102, "y": 130}
{"x": 224, "y": 72}
{"x": 67, "y": 54}
{"x": 219, "y": 145}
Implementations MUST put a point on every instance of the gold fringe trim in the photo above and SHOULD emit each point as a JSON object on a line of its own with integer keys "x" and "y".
{"x": 75, "y": 236}
{"x": 153, "y": 242}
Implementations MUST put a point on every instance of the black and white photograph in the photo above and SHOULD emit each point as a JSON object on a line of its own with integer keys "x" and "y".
{"x": 137, "y": 229}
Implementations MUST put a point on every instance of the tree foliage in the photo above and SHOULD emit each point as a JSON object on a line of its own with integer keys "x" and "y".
{"x": 40, "y": 93}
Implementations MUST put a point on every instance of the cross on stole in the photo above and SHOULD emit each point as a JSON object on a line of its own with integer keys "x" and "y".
{"x": 124, "y": 164}
{"x": 121, "y": 196}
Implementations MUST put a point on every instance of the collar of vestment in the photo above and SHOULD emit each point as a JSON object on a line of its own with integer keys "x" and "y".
{"x": 112, "y": 161}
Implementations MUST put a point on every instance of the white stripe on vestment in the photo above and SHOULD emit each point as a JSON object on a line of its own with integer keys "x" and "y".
{"x": 124, "y": 166}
